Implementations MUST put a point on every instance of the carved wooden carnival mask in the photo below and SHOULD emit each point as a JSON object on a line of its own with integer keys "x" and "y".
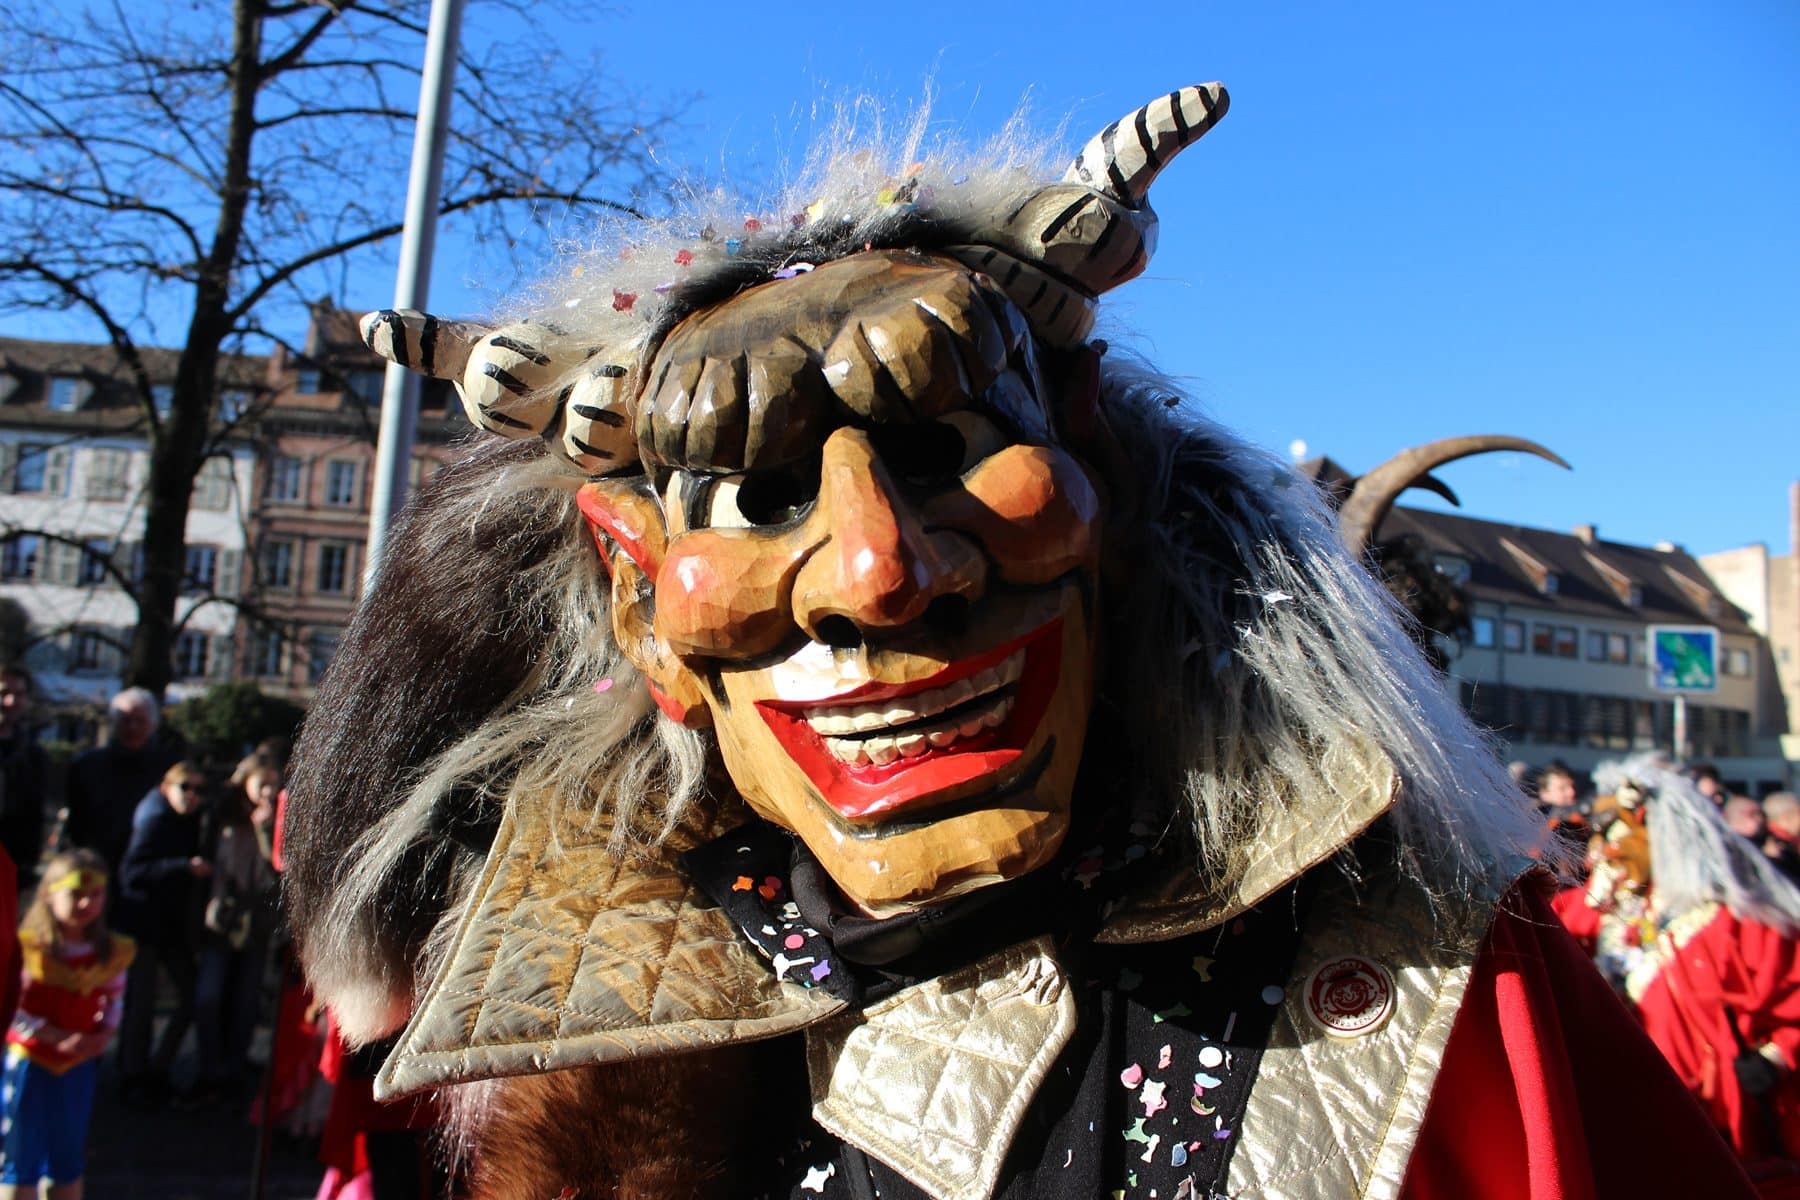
{"x": 860, "y": 548}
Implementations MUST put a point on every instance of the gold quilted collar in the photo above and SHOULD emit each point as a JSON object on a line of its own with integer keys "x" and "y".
{"x": 570, "y": 954}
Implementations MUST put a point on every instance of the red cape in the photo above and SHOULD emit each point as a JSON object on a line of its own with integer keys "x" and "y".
{"x": 1549, "y": 1088}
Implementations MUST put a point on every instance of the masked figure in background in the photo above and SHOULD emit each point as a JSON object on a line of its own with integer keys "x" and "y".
{"x": 858, "y": 739}
{"x": 1718, "y": 986}
{"x": 1609, "y": 915}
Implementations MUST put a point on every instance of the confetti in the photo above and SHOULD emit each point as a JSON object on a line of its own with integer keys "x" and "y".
{"x": 771, "y": 888}
{"x": 1069, "y": 1157}
{"x": 1203, "y": 1080}
{"x": 1272, "y": 995}
{"x": 1276, "y": 597}
{"x": 685, "y": 258}
{"x": 1149, "y": 1154}
{"x": 1203, "y": 968}
{"x": 1178, "y": 1155}
{"x": 1179, "y": 1010}
{"x": 752, "y": 225}
{"x": 742, "y": 883}
{"x": 820, "y": 971}
{"x": 795, "y": 941}
{"x": 1164, "y": 1057}
{"x": 1199, "y": 1105}
{"x": 783, "y": 962}
{"x": 603, "y": 685}
{"x": 732, "y": 246}
{"x": 622, "y": 301}
{"x": 1211, "y": 1056}
{"x": 816, "y": 1177}
{"x": 1221, "y": 1134}
{"x": 1153, "y": 1097}
{"x": 1136, "y": 1132}
{"x": 1132, "y": 1076}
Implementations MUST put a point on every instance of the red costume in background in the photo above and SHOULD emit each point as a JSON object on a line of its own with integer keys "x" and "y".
{"x": 1725, "y": 989}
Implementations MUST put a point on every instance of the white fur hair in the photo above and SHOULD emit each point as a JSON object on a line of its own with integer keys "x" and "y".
{"x": 1695, "y": 858}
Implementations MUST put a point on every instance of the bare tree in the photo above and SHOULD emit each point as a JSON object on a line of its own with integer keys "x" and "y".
{"x": 188, "y": 175}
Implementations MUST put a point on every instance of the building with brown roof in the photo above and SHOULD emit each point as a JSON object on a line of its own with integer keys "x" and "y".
{"x": 1556, "y": 662}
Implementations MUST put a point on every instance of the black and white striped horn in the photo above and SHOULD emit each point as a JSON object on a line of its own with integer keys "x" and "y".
{"x": 1093, "y": 230}
{"x": 1124, "y": 159}
{"x": 520, "y": 380}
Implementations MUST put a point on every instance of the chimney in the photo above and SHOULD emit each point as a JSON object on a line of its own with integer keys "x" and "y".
{"x": 1587, "y": 533}
{"x": 1794, "y": 517}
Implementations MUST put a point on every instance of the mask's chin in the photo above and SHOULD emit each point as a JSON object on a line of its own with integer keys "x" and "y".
{"x": 917, "y": 830}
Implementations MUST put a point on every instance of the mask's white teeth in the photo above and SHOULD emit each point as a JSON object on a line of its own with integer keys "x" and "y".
{"x": 839, "y": 720}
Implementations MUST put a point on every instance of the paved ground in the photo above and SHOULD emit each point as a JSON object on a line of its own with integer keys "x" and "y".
{"x": 171, "y": 1155}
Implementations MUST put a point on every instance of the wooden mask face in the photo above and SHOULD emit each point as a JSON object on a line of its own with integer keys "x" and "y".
{"x": 861, "y": 555}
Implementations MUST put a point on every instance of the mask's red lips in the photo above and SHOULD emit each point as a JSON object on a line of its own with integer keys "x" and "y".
{"x": 859, "y": 792}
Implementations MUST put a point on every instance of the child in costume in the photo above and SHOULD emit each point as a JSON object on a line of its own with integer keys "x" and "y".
{"x": 69, "y": 1007}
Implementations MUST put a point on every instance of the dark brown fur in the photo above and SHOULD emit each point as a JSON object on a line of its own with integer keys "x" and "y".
{"x": 685, "y": 1127}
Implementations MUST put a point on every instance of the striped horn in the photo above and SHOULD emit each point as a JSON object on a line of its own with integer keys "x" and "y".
{"x": 1372, "y": 497}
{"x": 1124, "y": 159}
{"x": 520, "y": 380}
{"x": 1093, "y": 230}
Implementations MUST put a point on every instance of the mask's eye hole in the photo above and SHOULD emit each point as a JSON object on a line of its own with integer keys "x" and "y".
{"x": 937, "y": 452}
{"x": 980, "y": 436}
{"x": 762, "y": 499}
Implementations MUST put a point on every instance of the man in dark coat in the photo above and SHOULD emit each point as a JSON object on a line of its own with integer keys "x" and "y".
{"x": 106, "y": 784}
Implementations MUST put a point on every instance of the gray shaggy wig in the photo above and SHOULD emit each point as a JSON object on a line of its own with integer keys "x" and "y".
{"x": 1248, "y": 659}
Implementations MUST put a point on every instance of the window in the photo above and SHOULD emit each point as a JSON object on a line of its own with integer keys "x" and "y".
{"x": 277, "y": 565}
{"x": 1634, "y": 596}
{"x": 1735, "y": 662}
{"x": 190, "y": 654}
{"x": 321, "y": 647}
{"x": 1568, "y": 642}
{"x": 334, "y": 568}
{"x": 94, "y": 556}
{"x": 268, "y": 653}
{"x": 162, "y": 398}
{"x": 1512, "y": 636}
{"x": 65, "y": 393}
{"x": 286, "y": 479}
{"x": 89, "y": 650}
{"x": 1543, "y": 639}
{"x": 1618, "y": 649}
{"x": 212, "y": 487}
{"x": 201, "y": 569}
{"x": 366, "y": 386}
{"x": 41, "y": 470}
{"x": 19, "y": 557}
{"x": 1550, "y": 584}
{"x": 307, "y": 380}
{"x": 1596, "y": 643}
{"x": 1482, "y": 632}
{"x": 108, "y": 474}
{"x": 340, "y": 482}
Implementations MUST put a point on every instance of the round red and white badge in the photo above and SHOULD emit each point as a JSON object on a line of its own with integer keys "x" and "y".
{"x": 1350, "y": 996}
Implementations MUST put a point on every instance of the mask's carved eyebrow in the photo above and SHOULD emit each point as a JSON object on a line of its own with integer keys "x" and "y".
{"x": 759, "y": 381}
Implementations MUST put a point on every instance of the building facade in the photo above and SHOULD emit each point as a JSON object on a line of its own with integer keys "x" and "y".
{"x": 74, "y": 462}
{"x": 276, "y": 531}
{"x": 1767, "y": 587}
{"x": 1556, "y": 662}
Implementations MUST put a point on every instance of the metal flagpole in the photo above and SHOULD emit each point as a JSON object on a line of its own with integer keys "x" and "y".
{"x": 400, "y": 389}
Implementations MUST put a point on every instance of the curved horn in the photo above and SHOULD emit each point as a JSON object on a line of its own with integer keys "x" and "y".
{"x": 1373, "y": 496}
{"x": 1092, "y": 230}
{"x": 1437, "y": 487}
{"x": 1124, "y": 159}
{"x": 521, "y": 380}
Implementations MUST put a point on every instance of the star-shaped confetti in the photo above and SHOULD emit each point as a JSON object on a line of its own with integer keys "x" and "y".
{"x": 1136, "y": 1132}
{"x": 816, "y": 1177}
{"x": 1203, "y": 968}
{"x": 1152, "y": 1096}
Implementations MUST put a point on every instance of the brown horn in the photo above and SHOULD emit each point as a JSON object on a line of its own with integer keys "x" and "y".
{"x": 1373, "y": 496}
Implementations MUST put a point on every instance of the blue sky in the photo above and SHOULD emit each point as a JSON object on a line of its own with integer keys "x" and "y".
{"x": 1578, "y": 223}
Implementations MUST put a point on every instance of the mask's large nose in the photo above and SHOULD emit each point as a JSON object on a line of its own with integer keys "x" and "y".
{"x": 879, "y": 567}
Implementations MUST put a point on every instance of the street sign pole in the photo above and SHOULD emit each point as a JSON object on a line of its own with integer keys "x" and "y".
{"x": 400, "y": 388}
{"x": 1681, "y": 740}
